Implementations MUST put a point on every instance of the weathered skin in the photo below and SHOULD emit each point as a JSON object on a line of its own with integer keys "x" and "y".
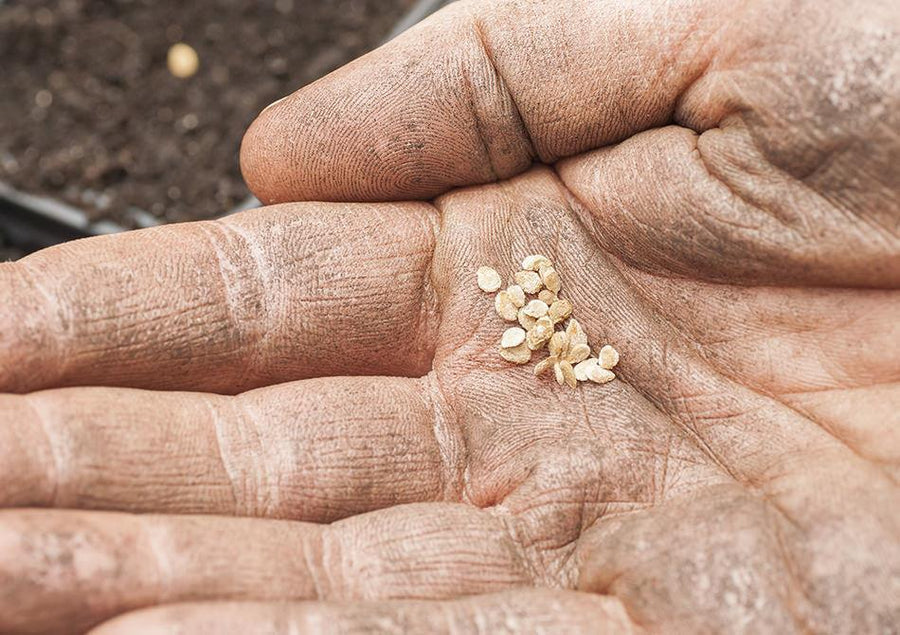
{"x": 718, "y": 185}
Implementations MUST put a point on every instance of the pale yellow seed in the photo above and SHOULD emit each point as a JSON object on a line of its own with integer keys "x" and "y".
{"x": 544, "y": 365}
{"x": 182, "y": 60}
{"x": 609, "y": 357}
{"x": 600, "y": 375}
{"x": 512, "y": 337}
{"x": 576, "y": 333}
{"x": 520, "y": 354}
{"x": 578, "y": 353}
{"x": 517, "y": 295}
{"x": 488, "y": 279}
{"x": 528, "y": 280}
{"x": 540, "y": 333}
{"x": 558, "y": 373}
{"x": 505, "y": 307}
{"x": 560, "y": 310}
{"x": 583, "y": 368}
{"x": 536, "y": 309}
{"x": 568, "y": 373}
{"x": 525, "y": 320}
{"x": 535, "y": 262}
{"x": 547, "y": 297}
{"x": 550, "y": 279}
{"x": 558, "y": 343}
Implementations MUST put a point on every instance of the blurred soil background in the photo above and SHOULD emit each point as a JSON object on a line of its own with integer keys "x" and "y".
{"x": 91, "y": 115}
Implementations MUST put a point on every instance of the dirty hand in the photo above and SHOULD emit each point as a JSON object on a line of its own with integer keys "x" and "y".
{"x": 330, "y": 423}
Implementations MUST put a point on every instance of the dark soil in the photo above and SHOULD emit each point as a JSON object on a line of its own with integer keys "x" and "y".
{"x": 90, "y": 114}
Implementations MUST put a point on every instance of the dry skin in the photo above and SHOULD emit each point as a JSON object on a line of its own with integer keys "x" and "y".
{"x": 569, "y": 351}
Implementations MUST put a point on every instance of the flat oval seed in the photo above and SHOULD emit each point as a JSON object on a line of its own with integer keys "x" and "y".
{"x": 536, "y": 309}
{"x": 520, "y": 354}
{"x": 505, "y": 307}
{"x": 512, "y": 337}
{"x": 517, "y": 295}
{"x": 600, "y": 375}
{"x": 560, "y": 310}
{"x": 488, "y": 279}
{"x": 578, "y": 353}
{"x": 550, "y": 279}
{"x": 609, "y": 357}
{"x": 540, "y": 333}
{"x": 583, "y": 368}
{"x": 544, "y": 365}
{"x": 547, "y": 296}
{"x": 528, "y": 280}
{"x": 558, "y": 343}
{"x": 525, "y": 320}
{"x": 558, "y": 373}
{"x": 576, "y": 333}
{"x": 568, "y": 373}
{"x": 535, "y": 262}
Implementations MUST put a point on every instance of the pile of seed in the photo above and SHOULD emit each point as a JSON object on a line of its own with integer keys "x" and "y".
{"x": 538, "y": 318}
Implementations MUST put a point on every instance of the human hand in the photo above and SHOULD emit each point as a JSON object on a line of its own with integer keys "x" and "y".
{"x": 721, "y": 199}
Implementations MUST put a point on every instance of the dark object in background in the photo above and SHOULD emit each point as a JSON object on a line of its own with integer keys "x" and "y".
{"x": 91, "y": 116}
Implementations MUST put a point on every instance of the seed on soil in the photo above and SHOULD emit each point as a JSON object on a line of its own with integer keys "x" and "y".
{"x": 608, "y": 356}
{"x": 520, "y": 354}
{"x": 512, "y": 337}
{"x": 517, "y": 295}
{"x": 547, "y": 297}
{"x": 560, "y": 310}
{"x": 528, "y": 280}
{"x": 540, "y": 333}
{"x": 550, "y": 279}
{"x": 600, "y": 375}
{"x": 583, "y": 368}
{"x": 525, "y": 320}
{"x": 535, "y": 262}
{"x": 182, "y": 60}
{"x": 505, "y": 306}
{"x": 488, "y": 279}
{"x": 536, "y": 309}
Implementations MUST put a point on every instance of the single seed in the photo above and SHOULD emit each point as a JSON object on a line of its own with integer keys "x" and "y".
{"x": 535, "y": 262}
{"x": 558, "y": 373}
{"x": 540, "y": 333}
{"x": 488, "y": 279}
{"x": 517, "y": 295}
{"x": 536, "y": 309}
{"x": 609, "y": 357}
{"x": 550, "y": 279}
{"x": 505, "y": 307}
{"x": 600, "y": 375}
{"x": 520, "y": 354}
{"x": 544, "y": 365}
{"x": 583, "y": 368}
{"x": 560, "y": 310}
{"x": 547, "y": 296}
{"x": 576, "y": 333}
{"x": 568, "y": 373}
{"x": 525, "y": 320}
{"x": 558, "y": 343}
{"x": 578, "y": 353}
{"x": 512, "y": 337}
{"x": 528, "y": 280}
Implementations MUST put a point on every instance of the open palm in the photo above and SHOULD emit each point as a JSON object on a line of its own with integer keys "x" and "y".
{"x": 328, "y": 421}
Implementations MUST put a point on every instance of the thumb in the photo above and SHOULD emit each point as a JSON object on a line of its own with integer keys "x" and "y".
{"x": 475, "y": 94}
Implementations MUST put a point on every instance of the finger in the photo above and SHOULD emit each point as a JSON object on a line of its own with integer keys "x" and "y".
{"x": 477, "y": 92}
{"x": 314, "y": 450}
{"x": 530, "y": 610}
{"x": 256, "y": 299}
{"x": 716, "y": 209}
{"x": 50, "y": 561}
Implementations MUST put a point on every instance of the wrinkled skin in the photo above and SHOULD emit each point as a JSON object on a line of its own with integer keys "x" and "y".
{"x": 330, "y": 423}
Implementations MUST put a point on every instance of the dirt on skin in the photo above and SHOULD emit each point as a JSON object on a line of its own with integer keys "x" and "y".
{"x": 90, "y": 114}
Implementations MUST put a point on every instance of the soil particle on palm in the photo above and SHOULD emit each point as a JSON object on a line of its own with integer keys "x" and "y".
{"x": 90, "y": 114}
